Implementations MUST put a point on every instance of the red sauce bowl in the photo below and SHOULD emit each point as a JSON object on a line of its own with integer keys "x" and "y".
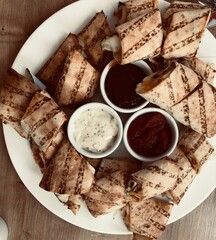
{"x": 150, "y": 134}
{"x": 118, "y": 85}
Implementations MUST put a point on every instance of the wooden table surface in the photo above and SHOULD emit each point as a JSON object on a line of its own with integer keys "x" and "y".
{"x": 25, "y": 216}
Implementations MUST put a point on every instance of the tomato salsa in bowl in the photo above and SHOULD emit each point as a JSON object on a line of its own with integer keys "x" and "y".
{"x": 150, "y": 134}
{"x": 118, "y": 84}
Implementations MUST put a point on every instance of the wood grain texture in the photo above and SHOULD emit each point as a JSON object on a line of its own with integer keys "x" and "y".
{"x": 27, "y": 219}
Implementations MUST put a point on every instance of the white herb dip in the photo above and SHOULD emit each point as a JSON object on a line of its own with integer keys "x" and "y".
{"x": 95, "y": 130}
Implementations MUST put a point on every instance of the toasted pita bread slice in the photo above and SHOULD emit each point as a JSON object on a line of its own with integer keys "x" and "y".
{"x": 196, "y": 147}
{"x": 15, "y": 96}
{"x": 185, "y": 177}
{"x": 154, "y": 179}
{"x": 42, "y": 120}
{"x": 206, "y": 72}
{"x": 42, "y": 158}
{"x": 133, "y": 8}
{"x": 139, "y": 38}
{"x": 197, "y": 110}
{"x": 179, "y": 6}
{"x": 147, "y": 218}
{"x": 78, "y": 82}
{"x": 106, "y": 194}
{"x": 68, "y": 175}
{"x": 184, "y": 33}
{"x": 126, "y": 165}
{"x": 51, "y": 71}
{"x": 168, "y": 87}
{"x": 91, "y": 36}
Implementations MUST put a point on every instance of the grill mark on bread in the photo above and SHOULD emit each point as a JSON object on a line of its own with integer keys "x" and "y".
{"x": 48, "y": 136}
{"x": 156, "y": 224}
{"x": 140, "y": 8}
{"x": 202, "y": 110}
{"x": 189, "y": 154}
{"x": 62, "y": 184}
{"x": 78, "y": 81}
{"x": 10, "y": 119}
{"x": 18, "y": 91}
{"x": 185, "y": 23}
{"x": 92, "y": 83}
{"x": 142, "y": 41}
{"x": 90, "y": 23}
{"x": 186, "y": 6}
{"x": 170, "y": 90}
{"x": 101, "y": 34}
{"x": 186, "y": 111}
{"x": 200, "y": 141}
{"x": 136, "y": 24}
{"x": 37, "y": 106}
{"x": 45, "y": 119}
{"x": 80, "y": 176}
{"x": 203, "y": 160}
{"x": 182, "y": 43}
{"x": 13, "y": 105}
{"x": 185, "y": 80}
{"x": 155, "y": 169}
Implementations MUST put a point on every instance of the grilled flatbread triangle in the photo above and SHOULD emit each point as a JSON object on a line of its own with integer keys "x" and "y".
{"x": 154, "y": 179}
{"x": 196, "y": 147}
{"x": 15, "y": 96}
{"x": 106, "y": 194}
{"x": 139, "y": 38}
{"x": 185, "y": 177}
{"x": 184, "y": 33}
{"x": 69, "y": 175}
{"x": 91, "y": 36}
{"x": 168, "y": 87}
{"x": 51, "y": 71}
{"x": 42, "y": 120}
{"x": 147, "y": 217}
{"x": 198, "y": 109}
{"x": 78, "y": 81}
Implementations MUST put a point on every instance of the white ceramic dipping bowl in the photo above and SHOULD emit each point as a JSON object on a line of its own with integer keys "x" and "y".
{"x": 173, "y": 129}
{"x": 76, "y": 117}
{"x": 141, "y": 64}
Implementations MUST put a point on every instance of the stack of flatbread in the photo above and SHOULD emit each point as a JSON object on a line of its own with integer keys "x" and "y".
{"x": 69, "y": 176}
{"x": 71, "y": 74}
{"x": 185, "y": 94}
{"x": 42, "y": 122}
{"x": 15, "y": 96}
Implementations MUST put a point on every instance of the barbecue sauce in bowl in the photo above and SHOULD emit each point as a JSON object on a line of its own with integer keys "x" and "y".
{"x": 149, "y": 134}
{"x": 120, "y": 85}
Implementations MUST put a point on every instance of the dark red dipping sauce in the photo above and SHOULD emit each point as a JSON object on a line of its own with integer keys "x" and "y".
{"x": 149, "y": 134}
{"x": 121, "y": 83}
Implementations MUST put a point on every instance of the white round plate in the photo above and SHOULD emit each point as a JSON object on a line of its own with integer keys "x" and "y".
{"x": 33, "y": 55}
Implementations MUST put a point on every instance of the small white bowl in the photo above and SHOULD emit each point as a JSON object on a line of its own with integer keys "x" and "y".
{"x": 71, "y": 129}
{"x": 174, "y": 134}
{"x": 141, "y": 64}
